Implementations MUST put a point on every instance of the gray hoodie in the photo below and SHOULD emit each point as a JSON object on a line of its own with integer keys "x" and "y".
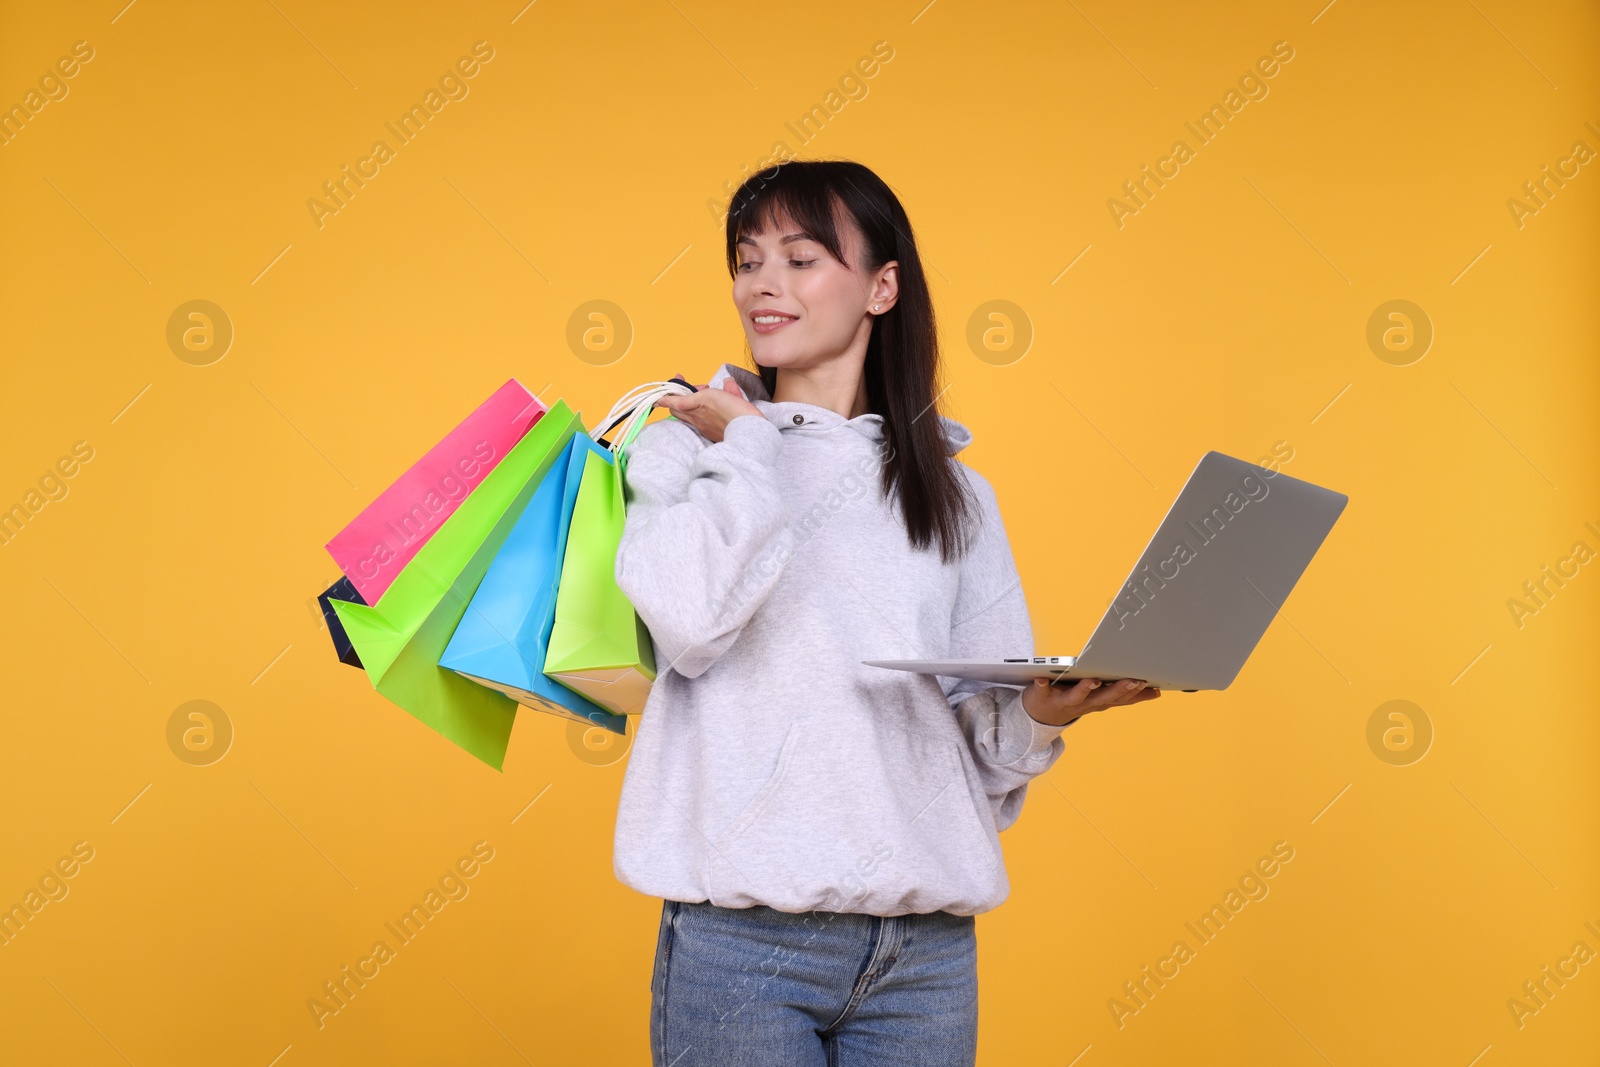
{"x": 771, "y": 766}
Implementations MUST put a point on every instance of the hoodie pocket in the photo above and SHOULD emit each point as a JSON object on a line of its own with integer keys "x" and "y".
{"x": 774, "y": 783}
{"x": 966, "y": 812}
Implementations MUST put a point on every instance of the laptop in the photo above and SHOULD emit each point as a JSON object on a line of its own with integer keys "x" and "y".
{"x": 1208, "y": 584}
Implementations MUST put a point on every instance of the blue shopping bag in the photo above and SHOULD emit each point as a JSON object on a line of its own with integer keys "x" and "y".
{"x": 502, "y": 637}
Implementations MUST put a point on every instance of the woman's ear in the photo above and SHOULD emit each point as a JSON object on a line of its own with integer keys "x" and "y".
{"x": 888, "y": 284}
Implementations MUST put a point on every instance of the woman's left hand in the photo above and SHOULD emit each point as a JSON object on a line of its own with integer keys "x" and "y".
{"x": 1059, "y": 705}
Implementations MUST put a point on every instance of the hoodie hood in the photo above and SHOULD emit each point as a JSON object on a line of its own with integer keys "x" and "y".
{"x": 792, "y": 413}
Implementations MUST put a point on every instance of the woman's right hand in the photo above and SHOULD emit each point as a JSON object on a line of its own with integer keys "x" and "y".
{"x": 710, "y": 410}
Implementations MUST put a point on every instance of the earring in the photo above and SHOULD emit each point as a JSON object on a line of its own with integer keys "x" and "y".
{"x": 876, "y": 306}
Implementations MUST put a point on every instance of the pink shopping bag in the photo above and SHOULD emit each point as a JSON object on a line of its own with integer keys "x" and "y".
{"x": 383, "y": 538}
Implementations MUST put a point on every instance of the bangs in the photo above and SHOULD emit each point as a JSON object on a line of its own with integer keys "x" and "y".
{"x": 801, "y": 201}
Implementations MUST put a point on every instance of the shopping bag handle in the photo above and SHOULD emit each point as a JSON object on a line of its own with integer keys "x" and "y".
{"x": 632, "y": 410}
{"x": 613, "y": 418}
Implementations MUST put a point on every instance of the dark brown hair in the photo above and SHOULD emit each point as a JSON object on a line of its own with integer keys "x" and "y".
{"x": 902, "y": 363}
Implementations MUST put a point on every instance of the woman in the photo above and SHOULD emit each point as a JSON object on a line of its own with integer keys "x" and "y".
{"x": 823, "y": 832}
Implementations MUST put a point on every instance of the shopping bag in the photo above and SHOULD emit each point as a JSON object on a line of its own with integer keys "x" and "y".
{"x": 598, "y": 644}
{"x": 501, "y": 640}
{"x": 380, "y": 541}
{"x": 344, "y": 590}
{"x": 401, "y": 637}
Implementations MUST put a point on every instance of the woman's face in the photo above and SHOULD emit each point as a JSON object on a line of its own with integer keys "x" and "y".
{"x": 823, "y": 307}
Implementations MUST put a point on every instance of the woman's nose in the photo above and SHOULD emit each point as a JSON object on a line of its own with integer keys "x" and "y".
{"x": 765, "y": 279}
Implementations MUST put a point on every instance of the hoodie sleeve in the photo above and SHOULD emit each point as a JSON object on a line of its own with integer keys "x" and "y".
{"x": 991, "y": 620}
{"x": 703, "y": 536}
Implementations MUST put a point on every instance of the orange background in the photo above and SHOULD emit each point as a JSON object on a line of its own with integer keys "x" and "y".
{"x": 1230, "y": 312}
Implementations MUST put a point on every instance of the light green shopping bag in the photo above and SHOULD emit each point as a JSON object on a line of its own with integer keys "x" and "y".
{"x": 599, "y": 646}
{"x": 401, "y": 638}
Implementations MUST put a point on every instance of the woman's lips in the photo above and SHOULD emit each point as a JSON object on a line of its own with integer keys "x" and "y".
{"x": 768, "y": 327}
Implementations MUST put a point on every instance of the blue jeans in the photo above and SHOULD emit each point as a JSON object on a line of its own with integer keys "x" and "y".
{"x": 740, "y": 987}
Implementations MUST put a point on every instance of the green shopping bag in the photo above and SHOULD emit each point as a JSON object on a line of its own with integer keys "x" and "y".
{"x": 402, "y": 636}
{"x": 599, "y": 647}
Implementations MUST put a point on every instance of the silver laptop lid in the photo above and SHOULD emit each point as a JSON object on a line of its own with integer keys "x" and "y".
{"x": 1212, "y": 578}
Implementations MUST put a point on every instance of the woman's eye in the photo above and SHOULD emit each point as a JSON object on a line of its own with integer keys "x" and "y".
{"x": 794, "y": 262}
